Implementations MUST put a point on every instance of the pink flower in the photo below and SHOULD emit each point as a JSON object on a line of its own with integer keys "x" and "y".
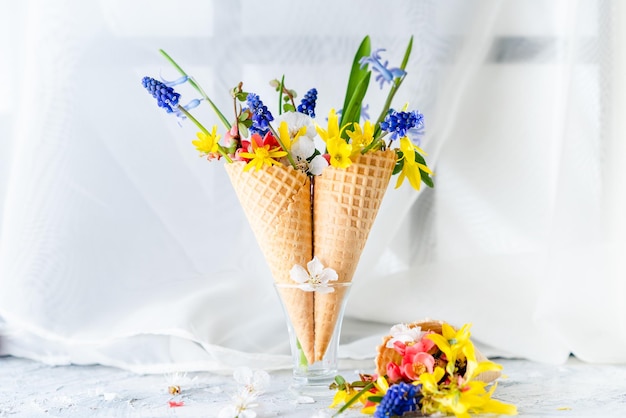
{"x": 415, "y": 360}
{"x": 231, "y": 136}
{"x": 414, "y": 364}
{"x": 394, "y": 373}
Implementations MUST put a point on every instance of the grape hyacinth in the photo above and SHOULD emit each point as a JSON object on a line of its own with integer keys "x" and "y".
{"x": 398, "y": 123}
{"x": 400, "y": 398}
{"x": 307, "y": 105}
{"x": 166, "y": 97}
{"x": 261, "y": 116}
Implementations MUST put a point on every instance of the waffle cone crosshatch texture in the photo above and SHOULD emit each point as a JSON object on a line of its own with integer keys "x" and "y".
{"x": 294, "y": 222}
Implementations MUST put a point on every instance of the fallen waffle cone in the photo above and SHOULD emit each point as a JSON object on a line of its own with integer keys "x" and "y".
{"x": 345, "y": 205}
{"x": 387, "y": 355}
{"x": 277, "y": 203}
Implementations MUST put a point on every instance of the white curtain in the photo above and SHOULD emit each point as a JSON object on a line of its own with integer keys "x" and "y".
{"x": 119, "y": 246}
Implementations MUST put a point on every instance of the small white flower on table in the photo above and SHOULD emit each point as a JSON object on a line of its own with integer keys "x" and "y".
{"x": 315, "y": 278}
{"x": 251, "y": 384}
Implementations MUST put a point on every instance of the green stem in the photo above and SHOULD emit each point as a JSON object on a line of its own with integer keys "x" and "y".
{"x": 303, "y": 363}
{"x": 289, "y": 157}
{"x": 355, "y": 398}
{"x": 220, "y": 148}
{"x": 371, "y": 145}
{"x": 280, "y": 95}
{"x": 387, "y": 105}
{"x": 198, "y": 88}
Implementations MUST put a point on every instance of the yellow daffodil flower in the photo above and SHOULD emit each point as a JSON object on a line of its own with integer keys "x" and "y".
{"x": 339, "y": 151}
{"x": 262, "y": 156}
{"x": 361, "y": 138}
{"x": 452, "y": 343}
{"x": 410, "y": 167}
{"x": 342, "y": 396}
{"x": 332, "y": 130}
{"x": 459, "y": 399}
{"x": 207, "y": 144}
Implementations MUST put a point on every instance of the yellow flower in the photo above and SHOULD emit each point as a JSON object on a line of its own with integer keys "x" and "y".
{"x": 430, "y": 381}
{"x": 333, "y": 127}
{"x": 410, "y": 167}
{"x": 285, "y": 137}
{"x": 452, "y": 343}
{"x": 342, "y": 396}
{"x": 207, "y": 143}
{"x": 339, "y": 151}
{"x": 381, "y": 386}
{"x": 360, "y": 138}
{"x": 262, "y": 155}
{"x": 460, "y": 399}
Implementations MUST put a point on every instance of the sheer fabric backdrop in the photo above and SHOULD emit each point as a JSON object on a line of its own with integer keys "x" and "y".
{"x": 118, "y": 245}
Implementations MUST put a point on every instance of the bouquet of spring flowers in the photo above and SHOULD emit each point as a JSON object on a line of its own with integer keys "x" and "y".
{"x": 427, "y": 367}
{"x": 310, "y": 191}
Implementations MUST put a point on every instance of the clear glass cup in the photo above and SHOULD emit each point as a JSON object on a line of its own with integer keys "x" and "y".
{"x": 315, "y": 318}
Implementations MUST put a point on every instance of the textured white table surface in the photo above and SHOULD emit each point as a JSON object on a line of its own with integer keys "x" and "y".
{"x": 31, "y": 389}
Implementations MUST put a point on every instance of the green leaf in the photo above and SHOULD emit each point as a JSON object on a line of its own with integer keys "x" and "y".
{"x": 352, "y": 113}
{"x": 427, "y": 179}
{"x": 356, "y": 76}
{"x": 375, "y": 399}
{"x": 275, "y": 83}
{"x": 288, "y": 107}
{"x": 419, "y": 158}
{"x": 340, "y": 380}
{"x": 407, "y": 54}
{"x": 398, "y": 167}
{"x": 243, "y": 129}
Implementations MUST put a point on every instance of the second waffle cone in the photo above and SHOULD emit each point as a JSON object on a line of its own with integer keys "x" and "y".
{"x": 345, "y": 205}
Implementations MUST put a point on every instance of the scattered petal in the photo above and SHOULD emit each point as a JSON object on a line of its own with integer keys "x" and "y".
{"x": 305, "y": 400}
{"x": 109, "y": 396}
{"x": 176, "y": 404}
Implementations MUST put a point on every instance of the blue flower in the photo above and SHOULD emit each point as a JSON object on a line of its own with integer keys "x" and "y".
{"x": 400, "y": 398}
{"x": 399, "y": 123}
{"x": 261, "y": 116}
{"x": 307, "y": 105}
{"x": 385, "y": 74}
{"x": 166, "y": 97}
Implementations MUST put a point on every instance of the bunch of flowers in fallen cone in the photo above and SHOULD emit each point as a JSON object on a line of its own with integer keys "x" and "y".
{"x": 428, "y": 368}
{"x": 310, "y": 191}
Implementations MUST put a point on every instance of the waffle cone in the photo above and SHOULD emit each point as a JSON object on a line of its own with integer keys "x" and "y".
{"x": 345, "y": 205}
{"x": 277, "y": 204}
{"x": 387, "y": 355}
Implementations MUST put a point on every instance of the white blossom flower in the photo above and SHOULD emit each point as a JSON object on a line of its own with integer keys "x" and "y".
{"x": 295, "y": 121}
{"x": 303, "y": 146}
{"x": 402, "y": 333}
{"x": 316, "y": 278}
{"x": 253, "y": 381}
{"x": 251, "y": 384}
{"x": 241, "y": 407}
